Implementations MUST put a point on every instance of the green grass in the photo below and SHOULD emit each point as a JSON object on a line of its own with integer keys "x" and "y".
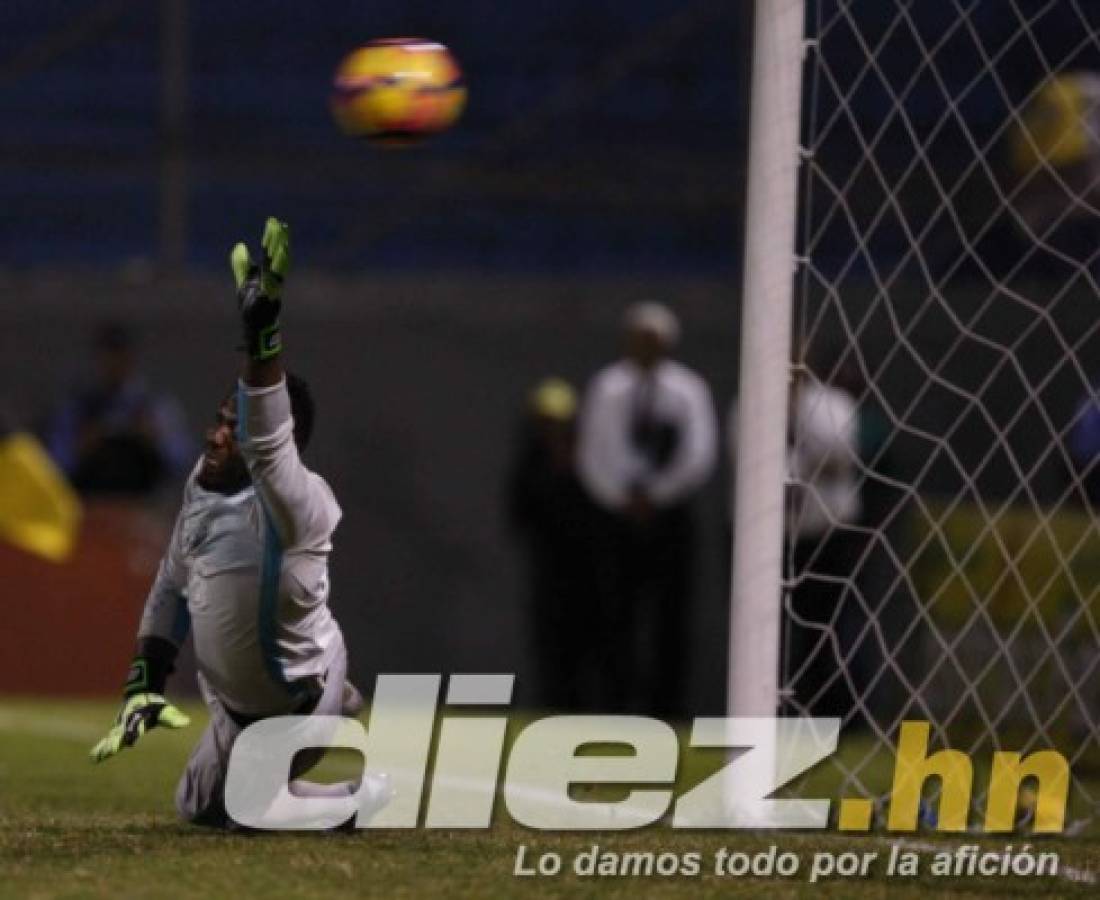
{"x": 71, "y": 829}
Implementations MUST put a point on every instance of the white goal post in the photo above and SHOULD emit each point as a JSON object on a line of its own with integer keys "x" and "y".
{"x": 766, "y": 315}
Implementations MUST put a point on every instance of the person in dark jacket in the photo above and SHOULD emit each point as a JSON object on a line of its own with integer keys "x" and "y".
{"x": 552, "y": 515}
{"x": 115, "y": 435}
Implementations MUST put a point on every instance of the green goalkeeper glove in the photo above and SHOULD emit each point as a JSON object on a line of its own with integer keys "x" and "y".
{"x": 143, "y": 703}
{"x": 259, "y": 289}
{"x": 138, "y": 714}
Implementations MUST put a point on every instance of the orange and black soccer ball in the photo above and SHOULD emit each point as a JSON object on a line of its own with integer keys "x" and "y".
{"x": 397, "y": 91}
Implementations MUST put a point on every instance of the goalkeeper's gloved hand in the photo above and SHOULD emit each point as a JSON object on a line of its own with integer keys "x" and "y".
{"x": 143, "y": 707}
{"x": 259, "y": 289}
{"x": 138, "y": 714}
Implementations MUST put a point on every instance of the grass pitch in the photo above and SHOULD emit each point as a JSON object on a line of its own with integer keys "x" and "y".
{"x": 71, "y": 829}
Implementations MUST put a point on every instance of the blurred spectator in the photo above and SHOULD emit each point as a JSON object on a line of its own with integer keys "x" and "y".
{"x": 823, "y": 457}
{"x": 553, "y": 516}
{"x": 874, "y": 623}
{"x": 116, "y": 436}
{"x": 647, "y": 445}
{"x": 1055, "y": 161}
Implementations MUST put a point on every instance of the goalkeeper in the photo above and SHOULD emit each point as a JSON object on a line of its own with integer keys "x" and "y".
{"x": 246, "y": 569}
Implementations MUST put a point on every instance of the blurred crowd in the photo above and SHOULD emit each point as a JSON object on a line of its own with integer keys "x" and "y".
{"x": 113, "y": 434}
{"x": 603, "y": 493}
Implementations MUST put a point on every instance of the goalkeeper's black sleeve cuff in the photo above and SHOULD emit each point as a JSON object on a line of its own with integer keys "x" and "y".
{"x": 151, "y": 666}
{"x": 260, "y": 320}
{"x": 263, "y": 343}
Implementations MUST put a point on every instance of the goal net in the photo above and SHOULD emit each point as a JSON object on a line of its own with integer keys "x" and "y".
{"x": 942, "y": 555}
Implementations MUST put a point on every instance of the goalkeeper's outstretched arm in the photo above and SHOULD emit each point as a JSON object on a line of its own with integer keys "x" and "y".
{"x": 298, "y": 503}
{"x": 164, "y": 626}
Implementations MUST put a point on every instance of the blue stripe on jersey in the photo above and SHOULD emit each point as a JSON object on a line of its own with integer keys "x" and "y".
{"x": 242, "y": 414}
{"x": 270, "y": 570}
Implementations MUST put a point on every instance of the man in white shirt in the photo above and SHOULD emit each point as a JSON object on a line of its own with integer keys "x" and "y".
{"x": 646, "y": 446}
{"x": 823, "y": 459}
{"x": 246, "y": 569}
{"x": 823, "y": 464}
{"x": 824, "y": 506}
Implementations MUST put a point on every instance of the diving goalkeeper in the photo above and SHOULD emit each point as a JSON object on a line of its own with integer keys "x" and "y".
{"x": 246, "y": 569}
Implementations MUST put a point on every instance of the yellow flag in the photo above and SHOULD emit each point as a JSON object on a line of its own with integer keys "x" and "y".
{"x": 39, "y": 512}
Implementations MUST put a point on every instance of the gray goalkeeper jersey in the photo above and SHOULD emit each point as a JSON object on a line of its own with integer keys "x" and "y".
{"x": 249, "y": 572}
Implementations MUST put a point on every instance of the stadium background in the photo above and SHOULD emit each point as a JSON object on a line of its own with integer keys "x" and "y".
{"x": 431, "y": 288}
{"x": 600, "y": 161}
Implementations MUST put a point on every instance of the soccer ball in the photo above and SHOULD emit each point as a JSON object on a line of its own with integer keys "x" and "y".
{"x": 397, "y": 91}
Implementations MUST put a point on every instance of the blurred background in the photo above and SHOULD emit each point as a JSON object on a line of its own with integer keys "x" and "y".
{"x": 600, "y": 161}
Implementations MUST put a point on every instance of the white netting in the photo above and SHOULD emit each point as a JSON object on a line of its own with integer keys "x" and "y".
{"x": 944, "y": 555}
